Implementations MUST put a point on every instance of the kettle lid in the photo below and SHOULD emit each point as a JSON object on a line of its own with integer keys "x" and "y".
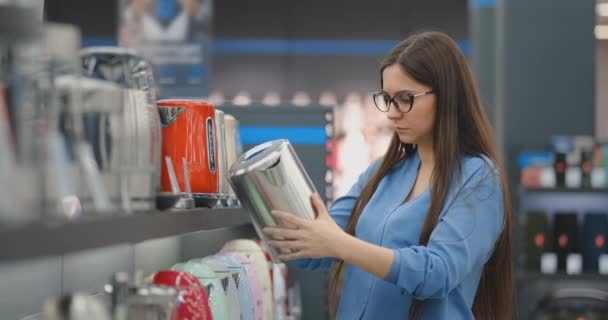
{"x": 260, "y": 157}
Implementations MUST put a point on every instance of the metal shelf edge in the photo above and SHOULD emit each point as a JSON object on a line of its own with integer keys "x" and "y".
{"x": 38, "y": 240}
{"x": 526, "y": 277}
{"x": 528, "y": 191}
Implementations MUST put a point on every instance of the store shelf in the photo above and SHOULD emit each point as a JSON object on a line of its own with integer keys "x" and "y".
{"x": 560, "y": 199}
{"x": 564, "y": 190}
{"x": 40, "y": 239}
{"x": 528, "y": 276}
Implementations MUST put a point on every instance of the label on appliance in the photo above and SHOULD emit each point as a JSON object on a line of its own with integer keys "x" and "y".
{"x": 211, "y": 145}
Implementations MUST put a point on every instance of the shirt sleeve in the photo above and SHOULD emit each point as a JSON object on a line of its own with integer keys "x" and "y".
{"x": 461, "y": 243}
{"x": 340, "y": 211}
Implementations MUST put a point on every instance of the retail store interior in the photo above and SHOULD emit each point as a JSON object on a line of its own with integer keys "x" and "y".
{"x": 143, "y": 144}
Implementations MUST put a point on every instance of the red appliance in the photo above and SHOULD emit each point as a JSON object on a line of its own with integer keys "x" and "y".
{"x": 189, "y": 132}
{"x": 194, "y": 303}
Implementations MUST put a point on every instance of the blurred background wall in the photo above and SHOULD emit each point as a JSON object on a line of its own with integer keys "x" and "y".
{"x": 541, "y": 65}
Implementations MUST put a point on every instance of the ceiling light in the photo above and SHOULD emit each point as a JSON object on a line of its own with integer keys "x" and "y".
{"x": 601, "y": 32}
{"x": 328, "y": 99}
{"x": 242, "y": 99}
{"x": 216, "y": 98}
{"x": 301, "y": 99}
{"x": 602, "y": 9}
{"x": 272, "y": 99}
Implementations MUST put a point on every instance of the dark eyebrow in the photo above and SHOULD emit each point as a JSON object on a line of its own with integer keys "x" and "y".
{"x": 404, "y": 91}
{"x": 401, "y": 91}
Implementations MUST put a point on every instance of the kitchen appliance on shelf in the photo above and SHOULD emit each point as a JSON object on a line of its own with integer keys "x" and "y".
{"x": 565, "y": 237}
{"x": 214, "y": 284}
{"x": 242, "y": 285}
{"x": 222, "y": 160}
{"x": 189, "y": 131}
{"x": 233, "y": 151}
{"x": 44, "y": 175}
{"x": 193, "y": 302}
{"x": 9, "y": 209}
{"x": 594, "y": 240}
{"x": 279, "y": 280}
{"x": 90, "y": 116}
{"x": 75, "y": 306}
{"x": 142, "y": 132}
{"x": 561, "y": 167}
{"x": 269, "y": 177}
{"x": 154, "y": 303}
{"x": 254, "y": 286}
{"x": 535, "y": 240}
{"x": 254, "y": 253}
{"x": 234, "y": 305}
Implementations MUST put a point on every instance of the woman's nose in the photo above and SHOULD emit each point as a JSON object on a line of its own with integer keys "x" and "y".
{"x": 393, "y": 113}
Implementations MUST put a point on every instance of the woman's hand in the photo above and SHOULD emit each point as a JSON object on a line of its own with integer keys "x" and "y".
{"x": 319, "y": 238}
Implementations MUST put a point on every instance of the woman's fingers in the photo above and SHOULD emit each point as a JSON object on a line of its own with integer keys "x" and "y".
{"x": 285, "y": 244}
{"x": 282, "y": 233}
{"x": 293, "y": 256}
{"x": 289, "y": 218}
{"x": 318, "y": 206}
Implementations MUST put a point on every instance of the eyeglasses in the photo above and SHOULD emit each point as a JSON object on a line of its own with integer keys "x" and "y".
{"x": 403, "y": 101}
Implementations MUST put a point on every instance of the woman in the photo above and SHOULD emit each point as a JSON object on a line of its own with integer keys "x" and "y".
{"x": 425, "y": 232}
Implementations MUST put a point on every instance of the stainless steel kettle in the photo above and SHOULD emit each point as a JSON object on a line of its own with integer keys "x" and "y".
{"x": 271, "y": 177}
{"x": 91, "y": 119}
{"x": 232, "y": 152}
{"x": 142, "y": 130}
{"x": 222, "y": 155}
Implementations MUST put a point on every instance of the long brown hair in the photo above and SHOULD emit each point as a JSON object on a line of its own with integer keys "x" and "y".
{"x": 461, "y": 128}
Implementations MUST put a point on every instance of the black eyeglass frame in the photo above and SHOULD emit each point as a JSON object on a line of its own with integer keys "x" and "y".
{"x": 392, "y": 100}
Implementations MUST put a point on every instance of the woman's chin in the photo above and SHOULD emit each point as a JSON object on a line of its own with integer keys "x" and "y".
{"x": 406, "y": 138}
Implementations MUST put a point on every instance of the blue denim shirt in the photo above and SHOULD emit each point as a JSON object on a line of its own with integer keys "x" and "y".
{"x": 445, "y": 273}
